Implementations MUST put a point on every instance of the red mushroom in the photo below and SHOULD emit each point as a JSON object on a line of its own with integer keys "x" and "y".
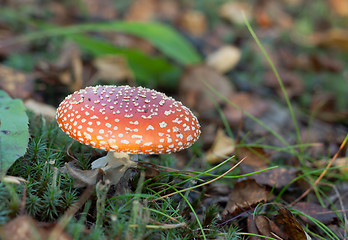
{"x": 127, "y": 120}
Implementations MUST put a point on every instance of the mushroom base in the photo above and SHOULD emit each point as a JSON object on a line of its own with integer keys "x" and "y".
{"x": 114, "y": 165}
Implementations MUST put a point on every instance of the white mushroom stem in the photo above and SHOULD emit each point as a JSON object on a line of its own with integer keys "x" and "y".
{"x": 114, "y": 165}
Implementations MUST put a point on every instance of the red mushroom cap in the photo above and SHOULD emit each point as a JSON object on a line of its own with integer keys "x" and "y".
{"x": 128, "y": 119}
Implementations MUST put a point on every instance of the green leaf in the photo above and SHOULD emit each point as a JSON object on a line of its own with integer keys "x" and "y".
{"x": 145, "y": 68}
{"x": 161, "y": 36}
{"x": 14, "y": 134}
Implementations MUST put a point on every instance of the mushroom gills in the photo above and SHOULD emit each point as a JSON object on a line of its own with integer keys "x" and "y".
{"x": 114, "y": 165}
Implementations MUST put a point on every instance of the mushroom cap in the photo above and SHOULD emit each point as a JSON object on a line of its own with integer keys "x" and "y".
{"x": 128, "y": 119}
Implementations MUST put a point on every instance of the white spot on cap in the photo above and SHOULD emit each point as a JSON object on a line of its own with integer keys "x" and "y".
{"x": 88, "y": 136}
{"x": 125, "y": 141}
{"x": 137, "y": 136}
{"x": 90, "y": 130}
{"x": 148, "y": 144}
{"x": 162, "y": 124}
{"x": 150, "y": 128}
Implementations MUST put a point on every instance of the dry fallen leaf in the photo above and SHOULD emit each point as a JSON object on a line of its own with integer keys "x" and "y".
{"x": 169, "y": 9}
{"x": 342, "y": 163}
{"x": 83, "y": 178}
{"x": 334, "y": 38}
{"x": 324, "y": 107}
{"x": 247, "y": 102}
{"x": 232, "y": 11}
{"x": 292, "y": 83}
{"x": 67, "y": 70}
{"x": 263, "y": 225}
{"x": 222, "y": 148}
{"x": 25, "y": 227}
{"x": 224, "y": 59}
{"x": 252, "y": 227}
{"x": 255, "y": 157}
{"x": 194, "y": 22}
{"x": 193, "y": 91}
{"x": 245, "y": 195}
{"x": 290, "y": 225}
{"x": 277, "y": 177}
{"x": 70, "y": 67}
{"x": 316, "y": 211}
{"x": 142, "y": 10}
{"x": 113, "y": 68}
{"x": 16, "y": 83}
{"x": 101, "y": 9}
{"x": 340, "y": 7}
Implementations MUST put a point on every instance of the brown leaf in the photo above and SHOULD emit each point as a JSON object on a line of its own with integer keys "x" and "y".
{"x": 252, "y": 228}
{"x": 245, "y": 195}
{"x": 247, "y": 102}
{"x": 24, "y": 227}
{"x": 67, "y": 70}
{"x": 194, "y": 92}
{"x": 255, "y": 157}
{"x": 291, "y": 226}
{"x": 263, "y": 225}
{"x": 292, "y": 83}
{"x": 340, "y": 7}
{"x": 168, "y": 9}
{"x": 325, "y": 63}
{"x": 101, "y": 9}
{"x": 142, "y": 10}
{"x": 232, "y": 11}
{"x": 193, "y": 22}
{"x": 113, "y": 68}
{"x": 277, "y": 177}
{"x": 16, "y": 83}
{"x": 71, "y": 67}
{"x": 224, "y": 59}
{"x": 316, "y": 211}
{"x": 334, "y": 38}
{"x": 83, "y": 178}
{"x": 343, "y": 164}
{"x": 222, "y": 148}
{"x": 7, "y": 46}
{"x": 324, "y": 106}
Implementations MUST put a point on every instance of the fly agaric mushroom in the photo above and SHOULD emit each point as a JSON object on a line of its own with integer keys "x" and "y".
{"x": 126, "y": 120}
